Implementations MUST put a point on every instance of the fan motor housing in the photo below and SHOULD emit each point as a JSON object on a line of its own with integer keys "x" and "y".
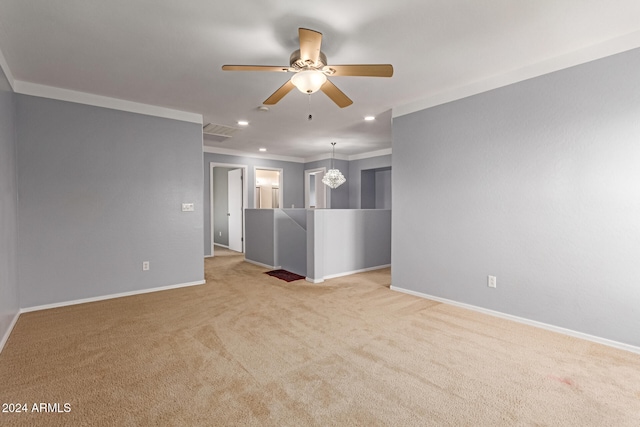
{"x": 296, "y": 62}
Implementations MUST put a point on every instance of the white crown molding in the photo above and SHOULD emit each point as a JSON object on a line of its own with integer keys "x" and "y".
{"x": 377, "y": 153}
{"x": 237, "y": 153}
{"x": 553, "y": 328}
{"x": 326, "y": 156}
{"x": 581, "y": 56}
{"x": 27, "y": 88}
{"x": 7, "y": 71}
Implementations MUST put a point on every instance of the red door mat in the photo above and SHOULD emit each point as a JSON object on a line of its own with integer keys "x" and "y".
{"x": 285, "y": 275}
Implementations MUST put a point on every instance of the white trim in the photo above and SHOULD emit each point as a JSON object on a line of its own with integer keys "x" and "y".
{"x": 325, "y": 156}
{"x": 222, "y": 246}
{"x": 309, "y": 279}
{"x": 362, "y": 270}
{"x": 377, "y": 153}
{"x": 229, "y": 152}
{"x": 111, "y": 296}
{"x": 5, "y": 338}
{"x": 34, "y": 89}
{"x": 259, "y": 264}
{"x": 581, "y": 56}
{"x": 7, "y": 72}
{"x": 564, "y": 331}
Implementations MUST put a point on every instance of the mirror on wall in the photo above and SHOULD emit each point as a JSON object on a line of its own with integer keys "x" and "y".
{"x": 268, "y": 189}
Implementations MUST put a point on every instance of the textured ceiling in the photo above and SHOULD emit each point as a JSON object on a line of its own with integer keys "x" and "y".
{"x": 169, "y": 53}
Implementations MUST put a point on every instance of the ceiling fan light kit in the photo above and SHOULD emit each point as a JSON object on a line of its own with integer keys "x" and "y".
{"x": 309, "y": 64}
{"x": 309, "y": 81}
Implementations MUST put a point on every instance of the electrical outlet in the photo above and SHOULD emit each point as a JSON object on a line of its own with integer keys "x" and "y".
{"x": 145, "y": 265}
{"x": 188, "y": 207}
{"x": 491, "y": 281}
{"x": 220, "y": 233}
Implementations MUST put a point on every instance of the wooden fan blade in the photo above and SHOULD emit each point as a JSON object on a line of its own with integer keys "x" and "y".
{"x": 310, "y": 42}
{"x": 280, "y": 93}
{"x": 255, "y": 68}
{"x": 366, "y": 70}
{"x": 336, "y": 94}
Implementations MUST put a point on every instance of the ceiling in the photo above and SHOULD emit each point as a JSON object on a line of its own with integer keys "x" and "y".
{"x": 169, "y": 53}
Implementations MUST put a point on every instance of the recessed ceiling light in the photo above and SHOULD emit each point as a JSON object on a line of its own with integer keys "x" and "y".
{"x": 262, "y": 149}
{"x": 369, "y": 118}
{"x": 243, "y": 122}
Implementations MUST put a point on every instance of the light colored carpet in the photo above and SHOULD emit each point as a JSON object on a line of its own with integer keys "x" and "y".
{"x": 249, "y": 349}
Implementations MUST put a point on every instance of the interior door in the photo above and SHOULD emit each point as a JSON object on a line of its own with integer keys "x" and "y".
{"x": 235, "y": 210}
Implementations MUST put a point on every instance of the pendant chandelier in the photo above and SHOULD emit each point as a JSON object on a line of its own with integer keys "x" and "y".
{"x": 333, "y": 178}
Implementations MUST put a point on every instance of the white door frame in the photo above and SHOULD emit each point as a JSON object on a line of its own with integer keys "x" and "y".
{"x": 280, "y": 182}
{"x": 244, "y": 195}
{"x": 307, "y": 187}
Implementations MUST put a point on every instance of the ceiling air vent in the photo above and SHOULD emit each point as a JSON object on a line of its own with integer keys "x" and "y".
{"x": 218, "y": 133}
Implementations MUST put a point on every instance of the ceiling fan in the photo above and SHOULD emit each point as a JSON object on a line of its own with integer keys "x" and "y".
{"x": 309, "y": 64}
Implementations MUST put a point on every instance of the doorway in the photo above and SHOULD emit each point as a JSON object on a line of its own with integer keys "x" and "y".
{"x": 268, "y": 188}
{"x": 315, "y": 193}
{"x": 375, "y": 190}
{"x": 228, "y": 199}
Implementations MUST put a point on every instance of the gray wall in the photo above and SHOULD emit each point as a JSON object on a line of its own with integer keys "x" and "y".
{"x": 291, "y": 239}
{"x": 383, "y": 188}
{"x": 293, "y": 176}
{"x": 9, "y": 293}
{"x": 375, "y": 188}
{"x": 260, "y": 240}
{"x": 537, "y": 183}
{"x": 277, "y": 238}
{"x": 368, "y": 189}
{"x": 337, "y": 198}
{"x": 220, "y": 205}
{"x": 101, "y": 192}
{"x": 355, "y": 175}
{"x": 341, "y": 241}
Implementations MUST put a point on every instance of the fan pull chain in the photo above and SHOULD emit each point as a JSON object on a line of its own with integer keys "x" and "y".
{"x": 310, "y": 116}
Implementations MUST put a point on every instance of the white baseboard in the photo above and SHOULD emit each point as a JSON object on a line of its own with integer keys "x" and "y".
{"x": 346, "y": 273}
{"x": 362, "y": 270}
{"x": 270, "y": 267}
{"x": 111, "y": 296}
{"x": 9, "y": 330}
{"x": 564, "y": 331}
